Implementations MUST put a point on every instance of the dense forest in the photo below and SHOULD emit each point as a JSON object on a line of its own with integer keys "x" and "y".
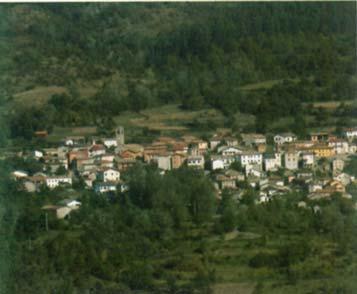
{"x": 166, "y": 235}
{"x": 198, "y": 55}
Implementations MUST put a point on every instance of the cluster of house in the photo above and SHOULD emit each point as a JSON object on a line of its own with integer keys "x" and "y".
{"x": 228, "y": 160}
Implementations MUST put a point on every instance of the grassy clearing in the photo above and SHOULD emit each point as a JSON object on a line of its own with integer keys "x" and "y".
{"x": 331, "y": 105}
{"x": 260, "y": 85}
{"x": 37, "y": 96}
{"x": 59, "y": 132}
{"x": 265, "y": 84}
{"x": 168, "y": 119}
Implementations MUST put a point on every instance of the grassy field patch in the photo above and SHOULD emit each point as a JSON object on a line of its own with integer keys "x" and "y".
{"x": 60, "y": 133}
{"x": 331, "y": 105}
{"x": 264, "y": 85}
{"x": 37, "y": 96}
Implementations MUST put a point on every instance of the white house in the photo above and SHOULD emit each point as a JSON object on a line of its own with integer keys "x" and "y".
{"x": 214, "y": 141}
{"x": 340, "y": 146}
{"x": 337, "y": 165}
{"x": 221, "y": 162}
{"x": 110, "y": 142}
{"x": 109, "y": 175}
{"x": 55, "y": 181}
{"x": 352, "y": 149}
{"x": 263, "y": 198}
{"x": 74, "y": 140}
{"x": 251, "y": 158}
{"x": 163, "y": 161}
{"x": 284, "y": 138}
{"x": 217, "y": 163}
{"x": 272, "y": 162}
{"x": 302, "y": 204}
{"x": 291, "y": 160}
{"x": 68, "y": 142}
{"x": 231, "y": 141}
{"x": 105, "y": 187}
{"x": 37, "y": 154}
{"x": 229, "y": 150}
{"x": 74, "y": 204}
{"x": 18, "y": 174}
{"x": 253, "y": 170}
{"x": 196, "y": 161}
{"x": 308, "y": 158}
{"x": 351, "y": 133}
{"x": 29, "y": 186}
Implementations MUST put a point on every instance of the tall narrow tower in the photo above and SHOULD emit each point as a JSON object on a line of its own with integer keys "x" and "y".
{"x": 119, "y": 135}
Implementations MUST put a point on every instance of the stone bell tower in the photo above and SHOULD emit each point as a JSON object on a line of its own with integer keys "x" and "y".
{"x": 119, "y": 135}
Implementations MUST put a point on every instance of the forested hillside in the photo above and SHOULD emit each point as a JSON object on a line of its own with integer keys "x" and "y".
{"x": 105, "y": 58}
{"x": 189, "y": 69}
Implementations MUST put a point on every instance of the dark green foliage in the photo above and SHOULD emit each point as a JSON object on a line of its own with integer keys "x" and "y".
{"x": 202, "y": 57}
{"x": 29, "y": 164}
{"x": 115, "y": 241}
{"x": 227, "y": 211}
{"x": 351, "y": 166}
{"x": 184, "y": 193}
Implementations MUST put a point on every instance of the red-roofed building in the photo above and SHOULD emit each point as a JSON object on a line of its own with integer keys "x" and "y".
{"x": 96, "y": 150}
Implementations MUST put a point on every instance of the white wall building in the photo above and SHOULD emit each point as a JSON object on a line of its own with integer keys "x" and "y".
{"x": 109, "y": 175}
{"x": 254, "y": 170}
{"x": 18, "y": 174}
{"x": 308, "y": 158}
{"x": 340, "y": 146}
{"x": 53, "y": 182}
{"x": 272, "y": 162}
{"x": 163, "y": 162}
{"x": 229, "y": 150}
{"x": 110, "y": 142}
{"x": 291, "y": 160}
{"x": 284, "y": 138}
{"x": 38, "y": 154}
{"x": 214, "y": 142}
{"x": 352, "y": 149}
{"x": 221, "y": 162}
{"x": 217, "y": 163}
{"x": 75, "y": 140}
{"x": 351, "y": 133}
{"x": 251, "y": 158}
{"x": 338, "y": 165}
{"x": 105, "y": 187}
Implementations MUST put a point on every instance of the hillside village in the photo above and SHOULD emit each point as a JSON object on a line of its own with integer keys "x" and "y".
{"x": 197, "y": 148}
{"x": 232, "y": 161}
